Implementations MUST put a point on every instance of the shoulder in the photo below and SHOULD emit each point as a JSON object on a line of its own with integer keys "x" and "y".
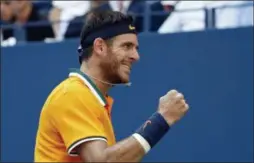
{"x": 69, "y": 96}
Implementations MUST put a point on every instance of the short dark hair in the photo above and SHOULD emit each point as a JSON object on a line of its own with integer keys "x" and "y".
{"x": 98, "y": 19}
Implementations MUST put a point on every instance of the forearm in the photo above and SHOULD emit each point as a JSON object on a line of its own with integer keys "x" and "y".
{"x": 135, "y": 147}
{"x": 131, "y": 149}
{"x": 127, "y": 150}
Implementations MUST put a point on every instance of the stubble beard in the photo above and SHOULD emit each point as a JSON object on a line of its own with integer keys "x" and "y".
{"x": 110, "y": 68}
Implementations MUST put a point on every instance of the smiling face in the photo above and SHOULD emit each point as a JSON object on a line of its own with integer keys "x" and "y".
{"x": 121, "y": 54}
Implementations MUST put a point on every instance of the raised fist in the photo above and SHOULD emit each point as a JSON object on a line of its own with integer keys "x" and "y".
{"x": 172, "y": 106}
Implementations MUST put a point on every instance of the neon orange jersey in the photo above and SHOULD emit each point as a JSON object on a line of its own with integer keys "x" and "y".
{"x": 75, "y": 112}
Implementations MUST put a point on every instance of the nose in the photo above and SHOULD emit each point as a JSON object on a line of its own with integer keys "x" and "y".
{"x": 135, "y": 56}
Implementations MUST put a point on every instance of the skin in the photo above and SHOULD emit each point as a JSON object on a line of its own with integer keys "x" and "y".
{"x": 113, "y": 64}
{"x": 21, "y": 10}
{"x": 6, "y": 12}
{"x": 54, "y": 17}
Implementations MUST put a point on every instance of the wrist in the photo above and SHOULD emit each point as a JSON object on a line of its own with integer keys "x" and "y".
{"x": 169, "y": 121}
{"x": 152, "y": 130}
{"x": 143, "y": 142}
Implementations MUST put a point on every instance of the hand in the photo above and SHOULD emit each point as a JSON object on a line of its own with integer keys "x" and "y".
{"x": 172, "y": 106}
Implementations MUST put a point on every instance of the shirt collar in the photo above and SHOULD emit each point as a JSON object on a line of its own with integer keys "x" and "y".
{"x": 90, "y": 84}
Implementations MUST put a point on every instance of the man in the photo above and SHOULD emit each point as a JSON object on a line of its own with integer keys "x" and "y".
{"x": 191, "y": 16}
{"x": 6, "y": 13}
{"x": 64, "y": 12}
{"x": 24, "y": 12}
{"x": 75, "y": 25}
{"x": 7, "y": 17}
{"x": 137, "y": 8}
{"x": 75, "y": 123}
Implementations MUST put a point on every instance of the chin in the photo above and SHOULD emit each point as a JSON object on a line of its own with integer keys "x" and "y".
{"x": 120, "y": 79}
{"x": 125, "y": 78}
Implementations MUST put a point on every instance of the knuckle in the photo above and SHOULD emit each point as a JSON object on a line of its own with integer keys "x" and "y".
{"x": 186, "y": 107}
{"x": 173, "y": 91}
{"x": 179, "y": 96}
{"x": 183, "y": 101}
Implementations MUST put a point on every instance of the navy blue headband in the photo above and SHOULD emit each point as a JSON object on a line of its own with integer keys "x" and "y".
{"x": 106, "y": 32}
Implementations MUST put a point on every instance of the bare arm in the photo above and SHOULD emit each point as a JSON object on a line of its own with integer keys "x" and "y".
{"x": 127, "y": 150}
{"x": 54, "y": 17}
{"x": 172, "y": 107}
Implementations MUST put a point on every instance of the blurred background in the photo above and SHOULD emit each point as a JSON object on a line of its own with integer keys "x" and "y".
{"x": 202, "y": 48}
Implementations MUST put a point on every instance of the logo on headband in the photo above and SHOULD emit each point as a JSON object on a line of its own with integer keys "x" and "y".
{"x": 131, "y": 27}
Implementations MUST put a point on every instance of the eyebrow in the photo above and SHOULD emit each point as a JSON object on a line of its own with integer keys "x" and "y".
{"x": 128, "y": 42}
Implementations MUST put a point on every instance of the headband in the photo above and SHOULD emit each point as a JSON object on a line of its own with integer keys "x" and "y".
{"x": 106, "y": 32}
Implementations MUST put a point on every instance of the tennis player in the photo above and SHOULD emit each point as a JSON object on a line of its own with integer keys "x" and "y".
{"x": 75, "y": 123}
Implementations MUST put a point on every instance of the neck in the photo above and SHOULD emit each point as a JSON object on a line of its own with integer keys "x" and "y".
{"x": 95, "y": 73}
{"x": 24, "y": 15}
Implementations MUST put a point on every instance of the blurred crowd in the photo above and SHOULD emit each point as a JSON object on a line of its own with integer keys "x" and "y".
{"x": 64, "y": 19}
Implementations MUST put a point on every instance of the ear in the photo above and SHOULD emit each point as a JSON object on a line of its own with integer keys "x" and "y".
{"x": 99, "y": 47}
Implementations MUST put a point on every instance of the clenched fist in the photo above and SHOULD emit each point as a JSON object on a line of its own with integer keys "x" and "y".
{"x": 172, "y": 106}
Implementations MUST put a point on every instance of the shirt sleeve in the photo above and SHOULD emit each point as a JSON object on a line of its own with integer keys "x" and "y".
{"x": 78, "y": 121}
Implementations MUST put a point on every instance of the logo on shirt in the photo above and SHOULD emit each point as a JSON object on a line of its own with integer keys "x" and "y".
{"x": 131, "y": 27}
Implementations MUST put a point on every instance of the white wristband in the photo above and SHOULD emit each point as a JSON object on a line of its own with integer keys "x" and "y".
{"x": 143, "y": 142}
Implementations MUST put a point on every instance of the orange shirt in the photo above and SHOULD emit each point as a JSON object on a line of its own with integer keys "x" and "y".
{"x": 75, "y": 112}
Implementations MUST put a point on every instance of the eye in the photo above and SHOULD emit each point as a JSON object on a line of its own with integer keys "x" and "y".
{"x": 127, "y": 46}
